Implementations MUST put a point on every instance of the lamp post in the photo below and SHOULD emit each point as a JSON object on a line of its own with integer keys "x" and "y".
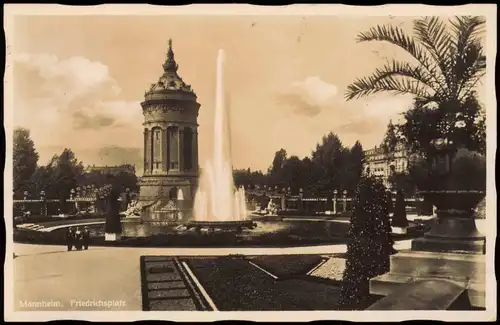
{"x": 344, "y": 197}
{"x": 44, "y": 203}
{"x": 335, "y": 193}
{"x": 24, "y": 206}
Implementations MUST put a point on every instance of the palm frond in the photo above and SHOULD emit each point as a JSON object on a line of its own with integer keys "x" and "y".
{"x": 396, "y": 36}
{"x": 363, "y": 87}
{"x": 466, "y": 28}
{"x": 432, "y": 33}
{"x": 469, "y": 62}
{"x": 404, "y": 69}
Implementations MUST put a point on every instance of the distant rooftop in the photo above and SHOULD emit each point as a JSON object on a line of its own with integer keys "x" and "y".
{"x": 110, "y": 169}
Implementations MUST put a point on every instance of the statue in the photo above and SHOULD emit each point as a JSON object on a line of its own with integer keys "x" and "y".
{"x": 172, "y": 210}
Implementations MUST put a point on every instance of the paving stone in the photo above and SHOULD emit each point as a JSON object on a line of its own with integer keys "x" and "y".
{"x": 173, "y": 304}
{"x": 166, "y": 285}
{"x": 172, "y": 293}
{"x": 159, "y": 264}
{"x": 163, "y": 277}
{"x": 161, "y": 269}
{"x": 157, "y": 258}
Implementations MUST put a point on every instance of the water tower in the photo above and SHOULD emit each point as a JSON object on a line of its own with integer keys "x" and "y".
{"x": 170, "y": 111}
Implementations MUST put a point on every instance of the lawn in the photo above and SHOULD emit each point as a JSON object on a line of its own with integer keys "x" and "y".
{"x": 236, "y": 285}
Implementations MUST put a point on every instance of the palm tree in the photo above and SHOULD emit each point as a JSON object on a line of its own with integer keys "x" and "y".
{"x": 448, "y": 62}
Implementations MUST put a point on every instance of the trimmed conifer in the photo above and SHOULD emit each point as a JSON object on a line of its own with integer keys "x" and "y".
{"x": 399, "y": 217}
{"x": 370, "y": 242}
{"x": 113, "y": 223}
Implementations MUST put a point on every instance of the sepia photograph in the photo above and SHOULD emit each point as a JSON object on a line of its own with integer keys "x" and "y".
{"x": 236, "y": 158}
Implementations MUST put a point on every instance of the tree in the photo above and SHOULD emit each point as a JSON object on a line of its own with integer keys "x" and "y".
{"x": 390, "y": 141}
{"x": 41, "y": 180}
{"x": 67, "y": 170}
{"x": 370, "y": 242}
{"x": 449, "y": 64}
{"x": 291, "y": 173}
{"x": 25, "y": 159}
{"x": 353, "y": 167}
{"x": 274, "y": 171}
{"x": 329, "y": 158}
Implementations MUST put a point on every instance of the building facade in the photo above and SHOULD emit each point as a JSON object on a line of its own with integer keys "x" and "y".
{"x": 381, "y": 165}
{"x": 170, "y": 110}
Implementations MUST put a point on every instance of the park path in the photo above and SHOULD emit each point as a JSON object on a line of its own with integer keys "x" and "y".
{"x": 110, "y": 274}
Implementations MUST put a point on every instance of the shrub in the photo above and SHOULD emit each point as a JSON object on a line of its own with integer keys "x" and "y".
{"x": 370, "y": 242}
{"x": 399, "y": 216}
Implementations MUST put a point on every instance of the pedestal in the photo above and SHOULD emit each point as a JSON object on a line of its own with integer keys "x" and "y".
{"x": 452, "y": 252}
{"x": 452, "y": 235}
{"x": 409, "y": 267}
{"x": 112, "y": 237}
{"x": 399, "y": 230}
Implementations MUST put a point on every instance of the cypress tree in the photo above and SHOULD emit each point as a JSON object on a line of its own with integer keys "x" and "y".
{"x": 113, "y": 223}
{"x": 399, "y": 217}
{"x": 390, "y": 206}
{"x": 370, "y": 242}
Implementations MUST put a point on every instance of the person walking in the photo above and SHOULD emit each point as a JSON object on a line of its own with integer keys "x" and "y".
{"x": 70, "y": 238}
{"x": 78, "y": 238}
{"x": 86, "y": 237}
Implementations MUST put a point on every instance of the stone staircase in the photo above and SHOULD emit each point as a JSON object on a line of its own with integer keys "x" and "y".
{"x": 467, "y": 270}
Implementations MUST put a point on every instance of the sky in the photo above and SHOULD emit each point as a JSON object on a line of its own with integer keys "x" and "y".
{"x": 79, "y": 81}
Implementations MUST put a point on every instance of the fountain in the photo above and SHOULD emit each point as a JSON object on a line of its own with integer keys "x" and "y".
{"x": 218, "y": 204}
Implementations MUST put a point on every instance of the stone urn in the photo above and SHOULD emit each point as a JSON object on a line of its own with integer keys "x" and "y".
{"x": 455, "y": 227}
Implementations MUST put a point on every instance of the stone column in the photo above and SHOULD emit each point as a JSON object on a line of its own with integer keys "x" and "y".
{"x": 164, "y": 149}
{"x": 180, "y": 148}
{"x": 167, "y": 151}
{"x": 152, "y": 152}
{"x": 194, "y": 148}
{"x": 145, "y": 148}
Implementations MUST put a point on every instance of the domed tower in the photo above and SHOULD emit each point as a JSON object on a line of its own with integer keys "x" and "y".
{"x": 170, "y": 111}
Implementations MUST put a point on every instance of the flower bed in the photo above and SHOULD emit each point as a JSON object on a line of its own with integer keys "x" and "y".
{"x": 332, "y": 269}
{"x": 286, "y": 266}
{"x": 235, "y": 285}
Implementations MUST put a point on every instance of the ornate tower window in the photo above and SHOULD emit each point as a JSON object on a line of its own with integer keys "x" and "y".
{"x": 147, "y": 151}
{"x": 157, "y": 150}
{"x": 173, "y": 147}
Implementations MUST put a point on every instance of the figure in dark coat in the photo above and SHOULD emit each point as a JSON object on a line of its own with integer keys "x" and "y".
{"x": 78, "y": 238}
{"x": 86, "y": 237}
{"x": 70, "y": 238}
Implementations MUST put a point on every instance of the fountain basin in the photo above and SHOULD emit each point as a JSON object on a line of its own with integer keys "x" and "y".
{"x": 237, "y": 225}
